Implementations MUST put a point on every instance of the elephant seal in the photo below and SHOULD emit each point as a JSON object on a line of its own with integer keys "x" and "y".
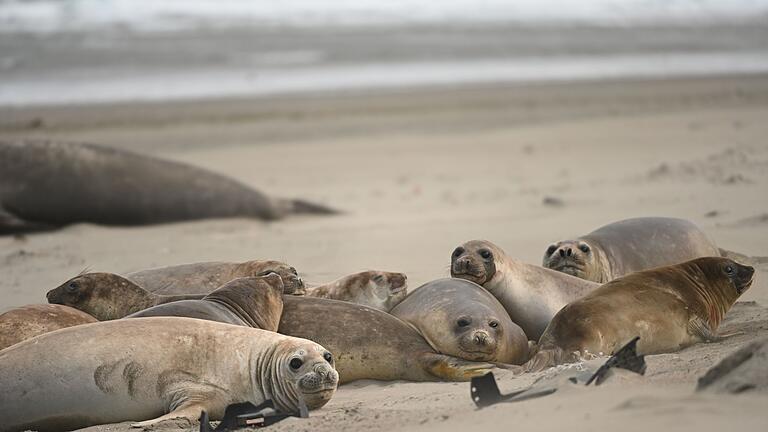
{"x": 629, "y": 246}
{"x": 204, "y": 277}
{"x": 464, "y": 320}
{"x": 107, "y": 296}
{"x": 669, "y": 308}
{"x": 531, "y": 295}
{"x": 377, "y": 289}
{"x": 49, "y": 184}
{"x": 154, "y": 369}
{"x": 26, "y": 322}
{"x": 371, "y": 344}
{"x": 251, "y": 301}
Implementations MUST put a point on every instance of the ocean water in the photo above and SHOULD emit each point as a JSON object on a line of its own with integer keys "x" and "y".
{"x": 170, "y": 15}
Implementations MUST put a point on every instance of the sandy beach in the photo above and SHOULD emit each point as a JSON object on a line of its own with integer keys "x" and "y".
{"x": 416, "y": 173}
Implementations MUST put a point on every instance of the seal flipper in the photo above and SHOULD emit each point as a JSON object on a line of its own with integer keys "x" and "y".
{"x": 189, "y": 412}
{"x": 10, "y": 223}
{"x": 699, "y": 328}
{"x": 449, "y": 368}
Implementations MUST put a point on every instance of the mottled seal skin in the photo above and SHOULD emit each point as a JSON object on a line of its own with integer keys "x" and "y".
{"x": 251, "y": 301}
{"x": 107, "y": 296}
{"x": 153, "y": 369}
{"x": 204, "y": 277}
{"x": 26, "y": 322}
{"x": 668, "y": 307}
{"x": 371, "y": 344}
{"x": 377, "y": 289}
{"x": 629, "y": 246}
{"x": 460, "y": 318}
{"x": 531, "y": 295}
{"x": 51, "y": 184}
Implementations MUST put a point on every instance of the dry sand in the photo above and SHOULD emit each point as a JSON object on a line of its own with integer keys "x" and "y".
{"x": 419, "y": 172}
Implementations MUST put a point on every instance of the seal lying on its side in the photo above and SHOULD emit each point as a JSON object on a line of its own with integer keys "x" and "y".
{"x": 465, "y": 321}
{"x": 156, "y": 369}
{"x": 251, "y": 301}
{"x": 26, "y": 322}
{"x": 377, "y": 289}
{"x": 107, "y": 296}
{"x": 51, "y": 184}
{"x": 668, "y": 307}
{"x": 204, "y": 277}
{"x": 629, "y": 246}
{"x": 371, "y": 344}
{"x": 531, "y": 295}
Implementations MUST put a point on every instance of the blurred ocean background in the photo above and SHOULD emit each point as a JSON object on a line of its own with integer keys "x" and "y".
{"x": 92, "y": 51}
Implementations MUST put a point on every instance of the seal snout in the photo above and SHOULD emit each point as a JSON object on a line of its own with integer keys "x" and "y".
{"x": 745, "y": 276}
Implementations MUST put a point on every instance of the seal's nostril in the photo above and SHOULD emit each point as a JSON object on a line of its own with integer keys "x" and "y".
{"x": 569, "y": 252}
{"x": 562, "y": 253}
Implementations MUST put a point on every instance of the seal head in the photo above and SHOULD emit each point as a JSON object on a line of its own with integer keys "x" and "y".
{"x": 106, "y": 296}
{"x": 574, "y": 257}
{"x": 474, "y": 261}
{"x": 305, "y": 372}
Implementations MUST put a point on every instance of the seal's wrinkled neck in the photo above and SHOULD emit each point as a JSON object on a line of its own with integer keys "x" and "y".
{"x": 274, "y": 384}
{"x": 713, "y": 297}
{"x": 133, "y": 298}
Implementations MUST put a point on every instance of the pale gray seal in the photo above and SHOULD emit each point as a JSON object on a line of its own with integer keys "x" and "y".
{"x": 377, "y": 289}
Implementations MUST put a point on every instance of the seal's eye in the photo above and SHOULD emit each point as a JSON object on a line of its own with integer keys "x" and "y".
{"x": 584, "y": 248}
{"x": 485, "y": 253}
{"x": 295, "y": 363}
{"x": 459, "y": 250}
{"x": 378, "y": 278}
{"x": 328, "y": 357}
{"x": 493, "y": 324}
{"x": 729, "y": 270}
{"x": 551, "y": 249}
{"x": 73, "y": 286}
{"x": 463, "y": 322}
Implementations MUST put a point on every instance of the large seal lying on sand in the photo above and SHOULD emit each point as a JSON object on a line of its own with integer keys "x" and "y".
{"x": 26, "y": 322}
{"x": 371, "y": 344}
{"x": 204, "y": 277}
{"x": 107, "y": 296}
{"x": 668, "y": 307}
{"x": 465, "y": 321}
{"x": 629, "y": 246}
{"x": 253, "y": 301}
{"x": 530, "y": 294}
{"x": 156, "y": 369}
{"x": 377, "y": 289}
{"x": 50, "y": 184}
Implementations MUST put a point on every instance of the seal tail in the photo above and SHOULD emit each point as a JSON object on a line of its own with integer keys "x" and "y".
{"x": 300, "y": 206}
{"x": 743, "y": 259}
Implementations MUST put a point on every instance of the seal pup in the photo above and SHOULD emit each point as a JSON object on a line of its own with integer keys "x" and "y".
{"x": 629, "y": 246}
{"x": 204, "y": 277}
{"x": 371, "y": 344}
{"x": 48, "y": 184}
{"x": 154, "y": 369}
{"x": 669, "y": 308}
{"x": 377, "y": 289}
{"x": 460, "y": 318}
{"x": 26, "y": 322}
{"x": 250, "y": 301}
{"x": 107, "y": 296}
{"x": 531, "y": 295}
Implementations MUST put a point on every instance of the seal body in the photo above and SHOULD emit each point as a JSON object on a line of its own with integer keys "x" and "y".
{"x": 107, "y": 296}
{"x": 251, "y": 301}
{"x": 155, "y": 369}
{"x": 26, "y": 322}
{"x": 377, "y": 289}
{"x": 628, "y": 246}
{"x": 669, "y": 308}
{"x": 204, "y": 277}
{"x": 50, "y": 184}
{"x": 371, "y": 344}
{"x": 460, "y": 318}
{"x": 531, "y": 295}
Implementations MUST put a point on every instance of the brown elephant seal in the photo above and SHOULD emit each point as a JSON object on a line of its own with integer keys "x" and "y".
{"x": 155, "y": 369}
{"x": 251, "y": 301}
{"x": 204, "y": 277}
{"x": 531, "y": 295}
{"x": 629, "y": 246}
{"x": 460, "y": 318}
{"x": 26, "y": 322}
{"x": 371, "y": 344}
{"x": 107, "y": 296}
{"x": 669, "y": 308}
{"x": 49, "y": 184}
{"x": 377, "y": 289}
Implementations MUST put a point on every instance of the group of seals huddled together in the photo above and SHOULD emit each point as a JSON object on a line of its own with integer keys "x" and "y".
{"x": 169, "y": 342}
